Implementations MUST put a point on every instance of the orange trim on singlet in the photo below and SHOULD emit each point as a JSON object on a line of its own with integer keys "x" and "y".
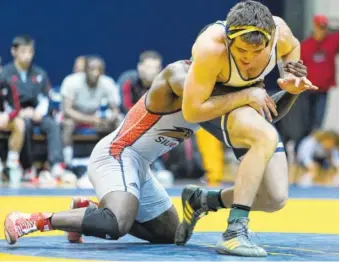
{"x": 136, "y": 123}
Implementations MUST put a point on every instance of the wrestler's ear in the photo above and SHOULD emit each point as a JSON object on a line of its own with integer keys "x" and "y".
{"x": 229, "y": 41}
{"x": 267, "y": 43}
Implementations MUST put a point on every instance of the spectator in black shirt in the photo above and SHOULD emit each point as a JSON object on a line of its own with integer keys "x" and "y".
{"x": 9, "y": 121}
{"x": 134, "y": 83}
{"x": 33, "y": 86}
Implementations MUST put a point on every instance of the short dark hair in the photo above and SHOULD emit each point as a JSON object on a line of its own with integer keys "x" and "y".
{"x": 251, "y": 13}
{"x": 150, "y": 54}
{"x": 22, "y": 40}
{"x": 90, "y": 58}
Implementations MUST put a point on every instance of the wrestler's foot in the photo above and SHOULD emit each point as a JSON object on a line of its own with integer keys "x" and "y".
{"x": 235, "y": 241}
{"x": 194, "y": 204}
{"x": 79, "y": 202}
{"x": 20, "y": 224}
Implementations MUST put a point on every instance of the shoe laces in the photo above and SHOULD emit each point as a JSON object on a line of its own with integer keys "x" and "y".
{"x": 199, "y": 213}
{"x": 196, "y": 201}
{"x": 24, "y": 226}
{"x": 252, "y": 234}
{"x": 242, "y": 231}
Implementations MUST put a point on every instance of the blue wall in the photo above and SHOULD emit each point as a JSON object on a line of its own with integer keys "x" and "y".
{"x": 117, "y": 30}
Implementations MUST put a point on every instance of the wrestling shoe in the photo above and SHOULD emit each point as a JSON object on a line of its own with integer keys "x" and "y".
{"x": 235, "y": 240}
{"x": 79, "y": 202}
{"x": 194, "y": 204}
{"x": 20, "y": 224}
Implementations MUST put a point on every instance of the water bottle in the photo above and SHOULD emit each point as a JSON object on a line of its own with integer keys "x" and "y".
{"x": 104, "y": 104}
{"x": 15, "y": 177}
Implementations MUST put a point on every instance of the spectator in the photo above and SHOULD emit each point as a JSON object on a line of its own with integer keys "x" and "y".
{"x": 82, "y": 95}
{"x": 79, "y": 64}
{"x": 134, "y": 83}
{"x": 33, "y": 87}
{"x": 318, "y": 53}
{"x": 320, "y": 149}
{"x": 9, "y": 121}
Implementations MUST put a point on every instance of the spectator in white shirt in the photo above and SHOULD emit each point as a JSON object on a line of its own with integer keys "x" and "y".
{"x": 318, "y": 150}
{"x": 83, "y": 94}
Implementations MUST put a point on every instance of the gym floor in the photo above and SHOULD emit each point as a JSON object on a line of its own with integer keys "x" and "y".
{"x": 307, "y": 229}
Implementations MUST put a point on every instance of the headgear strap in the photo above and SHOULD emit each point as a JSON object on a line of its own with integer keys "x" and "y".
{"x": 240, "y": 30}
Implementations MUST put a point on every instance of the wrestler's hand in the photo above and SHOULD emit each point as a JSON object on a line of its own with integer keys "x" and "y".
{"x": 295, "y": 80}
{"x": 295, "y": 85}
{"x": 298, "y": 69}
{"x": 259, "y": 100}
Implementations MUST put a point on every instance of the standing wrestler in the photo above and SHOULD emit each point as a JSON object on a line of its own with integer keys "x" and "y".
{"x": 238, "y": 53}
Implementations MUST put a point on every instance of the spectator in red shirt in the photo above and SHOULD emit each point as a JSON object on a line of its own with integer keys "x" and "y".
{"x": 318, "y": 53}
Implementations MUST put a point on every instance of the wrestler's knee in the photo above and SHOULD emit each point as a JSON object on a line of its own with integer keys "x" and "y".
{"x": 276, "y": 181}
{"x": 100, "y": 222}
{"x": 125, "y": 215}
{"x": 268, "y": 138}
{"x": 247, "y": 128}
{"x": 277, "y": 201}
{"x": 125, "y": 222}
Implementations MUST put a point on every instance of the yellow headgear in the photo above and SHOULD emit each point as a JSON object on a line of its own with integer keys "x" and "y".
{"x": 245, "y": 29}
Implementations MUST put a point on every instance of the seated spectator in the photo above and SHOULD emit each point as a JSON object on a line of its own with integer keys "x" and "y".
{"x": 9, "y": 121}
{"x": 79, "y": 64}
{"x": 134, "y": 83}
{"x": 82, "y": 96}
{"x": 33, "y": 87}
{"x": 318, "y": 150}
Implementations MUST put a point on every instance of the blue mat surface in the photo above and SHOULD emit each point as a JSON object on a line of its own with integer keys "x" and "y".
{"x": 302, "y": 247}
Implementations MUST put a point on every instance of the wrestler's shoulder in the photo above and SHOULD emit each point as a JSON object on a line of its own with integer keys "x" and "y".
{"x": 284, "y": 30}
{"x": 286, "y": 39}
{"x": 210, "y": 43}
{"x": 175, "y": 68}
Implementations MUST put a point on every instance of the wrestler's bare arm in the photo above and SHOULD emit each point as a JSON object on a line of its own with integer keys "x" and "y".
{"x": 197, "y": 104}
{"x": 160, "y": 95}
{"x": 253, "y": 96}
{"x": 288, "y": 47}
